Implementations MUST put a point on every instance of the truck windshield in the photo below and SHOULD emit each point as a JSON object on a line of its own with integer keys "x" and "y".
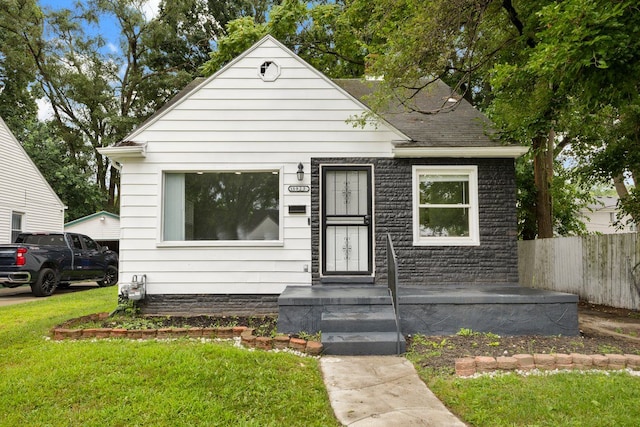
{"x": 41, "y": 239}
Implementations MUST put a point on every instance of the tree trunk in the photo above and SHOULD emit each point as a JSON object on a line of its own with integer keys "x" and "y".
{"x": 114, "y": 199}
{"x": 623, "y": 193}
{"x": 543, "y": 177}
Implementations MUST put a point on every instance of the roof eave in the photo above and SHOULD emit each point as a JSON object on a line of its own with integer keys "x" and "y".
{"x": 466, "y": 152}
{"x": 124, "y": 152}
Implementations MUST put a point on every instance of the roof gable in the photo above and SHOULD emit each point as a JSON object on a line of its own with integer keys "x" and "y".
{"x": 10, "y": 144}
{"x": 92, "y": 216}
{"x": 190, "y": 92}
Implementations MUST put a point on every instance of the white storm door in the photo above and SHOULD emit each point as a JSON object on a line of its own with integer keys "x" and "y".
{"x": 346, "y": 220}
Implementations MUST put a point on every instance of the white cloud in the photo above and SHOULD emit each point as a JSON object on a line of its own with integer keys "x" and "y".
{"x": 112, "y": 47}
{"x": 150, "y": 9}
{"x": 45, "y": 110}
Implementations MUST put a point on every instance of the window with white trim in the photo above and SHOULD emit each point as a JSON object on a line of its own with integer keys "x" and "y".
{"x": 17, "y": 222}
{"x": 228, "y": 206}
{"x": 445, "y": 205}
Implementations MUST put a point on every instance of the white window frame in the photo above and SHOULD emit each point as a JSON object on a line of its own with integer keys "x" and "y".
{"x": 474, "y": 233}
{"x": 222, "y": 243}
{"x": 21, "y": 215}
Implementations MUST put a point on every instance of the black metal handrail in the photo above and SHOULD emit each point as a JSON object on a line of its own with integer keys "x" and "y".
{"x": 392, "y": 283}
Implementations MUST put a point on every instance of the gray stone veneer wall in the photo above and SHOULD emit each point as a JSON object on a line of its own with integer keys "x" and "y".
{"x": 495, "y": 261}
{"x": 209, "y": 304}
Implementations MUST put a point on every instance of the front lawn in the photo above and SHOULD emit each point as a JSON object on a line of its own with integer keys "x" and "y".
{"x": 159, "y": 383}
{"x": 566, "y": 399}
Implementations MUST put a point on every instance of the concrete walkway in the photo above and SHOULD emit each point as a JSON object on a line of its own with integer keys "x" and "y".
{"x": 381, "y": 391}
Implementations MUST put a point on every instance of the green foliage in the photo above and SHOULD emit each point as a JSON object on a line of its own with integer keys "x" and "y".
{"x": 570, "y": 195}
{"x": 310, "y": 337}
{"x": 241, "y": 34}
{"x": 98, "y": 93}
{"x": 17, "y": 69}
{"x": 319, "y": 33}
{"x": 69, "y": 175}
{"x": 572, "y": 67}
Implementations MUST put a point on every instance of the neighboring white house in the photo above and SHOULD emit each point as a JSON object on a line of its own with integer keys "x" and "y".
{"x": 601, "y": 217}
{"x": 103, "y": 227}
{"x": 256, "y": 178}
{"x": 27, "y": 201}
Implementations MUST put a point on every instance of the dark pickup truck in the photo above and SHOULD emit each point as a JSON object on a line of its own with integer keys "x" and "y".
{"x": 47, "y": 261}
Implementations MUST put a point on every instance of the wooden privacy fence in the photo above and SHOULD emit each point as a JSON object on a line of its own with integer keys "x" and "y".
{"x": 602, "y": 269}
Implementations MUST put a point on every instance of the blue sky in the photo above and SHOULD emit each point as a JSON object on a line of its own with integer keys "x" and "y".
{"x": 107, "y": 27}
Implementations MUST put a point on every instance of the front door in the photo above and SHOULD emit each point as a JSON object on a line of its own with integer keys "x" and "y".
{"x": 346, "y": 220}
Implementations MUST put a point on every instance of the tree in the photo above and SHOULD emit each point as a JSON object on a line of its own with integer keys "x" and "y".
{"x": 534, "y": 67}
{"x": 17, "y": 70}
{"x": 98, "y": 93}
{"x": 591, "y": 50}
{"x": 73, "y": 182}
{"x": 317, "y": 32}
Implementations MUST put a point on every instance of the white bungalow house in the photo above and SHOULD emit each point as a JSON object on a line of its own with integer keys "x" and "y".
{"x": 255, "y": 183}
{"x": 602, "y": 217}
{"x": 27, "y": 201}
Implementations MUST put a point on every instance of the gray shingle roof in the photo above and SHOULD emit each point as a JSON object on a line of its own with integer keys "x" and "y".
{"x": 460, "y": 126}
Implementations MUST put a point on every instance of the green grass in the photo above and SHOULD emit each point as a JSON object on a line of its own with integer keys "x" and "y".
{"x": 140, "y": 383}
{"x": 566, "y": 399}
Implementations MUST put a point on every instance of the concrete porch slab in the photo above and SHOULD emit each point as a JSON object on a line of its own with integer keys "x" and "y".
{"x": 441, "y": 310}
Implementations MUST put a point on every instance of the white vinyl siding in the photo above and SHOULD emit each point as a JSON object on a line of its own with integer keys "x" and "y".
{"x": 237, "y": 121}
{"x": 23, "y": 189}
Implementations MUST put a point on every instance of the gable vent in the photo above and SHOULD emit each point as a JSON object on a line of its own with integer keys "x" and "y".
{"x": 269, "y": 71}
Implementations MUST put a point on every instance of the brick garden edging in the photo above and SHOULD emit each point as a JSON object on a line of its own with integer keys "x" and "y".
{"x": 468, "y": 366}
{"x": 246, "y": 335}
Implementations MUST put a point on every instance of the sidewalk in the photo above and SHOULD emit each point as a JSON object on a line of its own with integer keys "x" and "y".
{"x": 381, "y": 391}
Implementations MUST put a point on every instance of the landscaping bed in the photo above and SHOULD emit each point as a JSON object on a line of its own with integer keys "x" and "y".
{"x": 431, "y": 352}
{"x": 254, "y": 332}
{"x": 441, "y": 352}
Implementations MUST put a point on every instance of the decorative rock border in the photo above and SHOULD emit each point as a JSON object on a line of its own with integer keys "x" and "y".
{"x": 246, "y": 335}
{"x": 468, "y": 366}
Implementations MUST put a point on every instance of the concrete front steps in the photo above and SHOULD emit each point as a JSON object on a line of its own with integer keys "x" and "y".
{"x": 354, "y": 319}
{"x": 360, "y": 330}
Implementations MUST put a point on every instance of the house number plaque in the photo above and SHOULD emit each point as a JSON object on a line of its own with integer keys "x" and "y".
{"x": 298, "y": 188}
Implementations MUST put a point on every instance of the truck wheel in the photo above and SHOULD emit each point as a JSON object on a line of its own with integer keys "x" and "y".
{"x": 46, "y": 283}
{"x": 110, "y": 277}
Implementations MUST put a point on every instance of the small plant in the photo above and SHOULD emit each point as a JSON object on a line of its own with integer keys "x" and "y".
{"x": 126, "y": 307}
{"x": 265, "y": 330}
{"x": 226, "y": 322}
{"x": 608, "y": 349}
{"x": 310, "y": 337}
{"x": 495, "y": 339}
{"x": 466, "y": 332}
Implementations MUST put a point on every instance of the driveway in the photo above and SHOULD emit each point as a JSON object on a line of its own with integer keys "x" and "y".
{"x": 10, "y": 296}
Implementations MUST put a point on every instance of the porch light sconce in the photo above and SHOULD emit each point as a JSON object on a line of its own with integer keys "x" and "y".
{"x": 300, "y": 173}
